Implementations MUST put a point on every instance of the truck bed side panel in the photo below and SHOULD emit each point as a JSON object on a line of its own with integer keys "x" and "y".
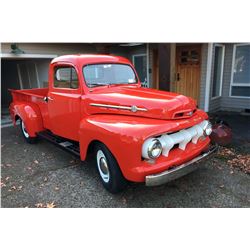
{"x": 30, "y": 114}
{"x": 35, "y": 97}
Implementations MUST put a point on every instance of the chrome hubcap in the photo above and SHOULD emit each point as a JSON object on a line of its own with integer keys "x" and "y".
{"x": 103, "y": 166}
{"x": 24, "y": 130}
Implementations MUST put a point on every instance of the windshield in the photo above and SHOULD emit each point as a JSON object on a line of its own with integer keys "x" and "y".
{"x": 105, "y": 74}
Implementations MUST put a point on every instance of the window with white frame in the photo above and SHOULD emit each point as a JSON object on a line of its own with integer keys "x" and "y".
{"x": 240, "y": 80}
{"x": 218, "y": 70}
{"x": 140, "y": 63}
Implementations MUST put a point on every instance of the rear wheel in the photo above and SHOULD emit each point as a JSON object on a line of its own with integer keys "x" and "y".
{"x": 26, "y": 134}
{"x": 109, "y": 170}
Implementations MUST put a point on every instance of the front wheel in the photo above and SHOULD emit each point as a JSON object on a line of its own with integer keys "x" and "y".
{"x": 109, "y": 170}
{"x": 26, "y": 134}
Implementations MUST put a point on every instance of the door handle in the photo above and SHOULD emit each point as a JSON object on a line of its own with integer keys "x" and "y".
{"x": 47, "y": 98}
{"x": 178, "y": 77}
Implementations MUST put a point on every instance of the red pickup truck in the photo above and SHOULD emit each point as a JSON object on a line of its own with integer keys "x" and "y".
{"x": 95, "y": 103}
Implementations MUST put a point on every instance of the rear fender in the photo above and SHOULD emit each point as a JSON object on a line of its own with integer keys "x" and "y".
{"x": 30, "y": 115}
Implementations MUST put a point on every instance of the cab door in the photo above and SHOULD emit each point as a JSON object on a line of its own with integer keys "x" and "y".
{"x": 64, "y": 102}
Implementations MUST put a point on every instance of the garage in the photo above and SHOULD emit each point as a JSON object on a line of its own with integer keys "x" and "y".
{"x": 21, "y": 72}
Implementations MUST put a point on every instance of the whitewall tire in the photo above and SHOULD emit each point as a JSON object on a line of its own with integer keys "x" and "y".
{"x": 26, "y": 134}
{"x": 109, "y": 170}
{"x": 102, "y": 165}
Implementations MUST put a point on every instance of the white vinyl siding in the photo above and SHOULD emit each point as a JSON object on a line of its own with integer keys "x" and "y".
{"x": 240, "y": 75}
{"x": 227, "y": 102}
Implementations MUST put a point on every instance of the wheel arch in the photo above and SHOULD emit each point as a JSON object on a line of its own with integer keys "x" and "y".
{"x": 91, "y": 147}
{"x": 17, "y": 117}
{"x": 30, "y": 114}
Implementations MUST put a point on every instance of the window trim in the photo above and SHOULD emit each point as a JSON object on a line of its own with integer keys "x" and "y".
{"x": 222, "y": 72}
{"x": 232, "y": 69}
{"x": 147, "y": 62}
{"x": 136, "y": 55}
{"x": 56, "y": 67}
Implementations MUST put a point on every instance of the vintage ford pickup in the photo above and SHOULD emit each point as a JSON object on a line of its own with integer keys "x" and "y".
{"x": 95, "y": 103}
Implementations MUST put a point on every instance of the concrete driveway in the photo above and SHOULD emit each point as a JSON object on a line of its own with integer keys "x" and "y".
{"x": 42, "y": 175}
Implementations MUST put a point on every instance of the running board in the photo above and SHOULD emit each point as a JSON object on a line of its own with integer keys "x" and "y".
{"x": 70, "y": 146}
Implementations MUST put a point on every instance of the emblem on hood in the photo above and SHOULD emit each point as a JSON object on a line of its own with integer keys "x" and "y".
{"x": 134, "y": 109}
{"x": 131, "y": 108}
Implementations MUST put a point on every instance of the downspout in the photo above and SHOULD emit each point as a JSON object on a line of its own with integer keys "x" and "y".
{"x": 208, "y": 76}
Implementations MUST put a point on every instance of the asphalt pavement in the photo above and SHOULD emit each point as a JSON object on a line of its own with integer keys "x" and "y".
{"x": 43, "y": 175}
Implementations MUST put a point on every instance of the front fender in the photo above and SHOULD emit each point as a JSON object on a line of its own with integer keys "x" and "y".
{"x": 30, "y": 114}
{"x": 124, "y": 136}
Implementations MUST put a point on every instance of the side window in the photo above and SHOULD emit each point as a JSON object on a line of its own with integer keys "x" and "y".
{"x": 65, "y": 77}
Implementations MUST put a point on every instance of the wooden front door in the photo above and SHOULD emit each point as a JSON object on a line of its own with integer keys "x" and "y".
{"x": 188, "y": 68}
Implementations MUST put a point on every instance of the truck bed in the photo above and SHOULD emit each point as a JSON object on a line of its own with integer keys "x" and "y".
{"x": 34, "y": 96}
{"x": 27, "y": 94}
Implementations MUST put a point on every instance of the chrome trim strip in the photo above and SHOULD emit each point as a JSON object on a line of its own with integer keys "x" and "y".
{"x": 176, "y": 172}
{"x": 131, "y": 108}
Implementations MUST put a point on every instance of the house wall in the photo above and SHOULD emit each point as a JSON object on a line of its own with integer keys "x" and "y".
{"x": 225, "y": 102}
{"x": 51, "y": 48}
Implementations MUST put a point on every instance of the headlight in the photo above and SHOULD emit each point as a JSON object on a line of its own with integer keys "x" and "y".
{"x": 151, "y": 148}
{"x": 207, "y": 129}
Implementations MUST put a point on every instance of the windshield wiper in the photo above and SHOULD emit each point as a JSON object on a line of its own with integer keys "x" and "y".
{"x": 98, "y": 84}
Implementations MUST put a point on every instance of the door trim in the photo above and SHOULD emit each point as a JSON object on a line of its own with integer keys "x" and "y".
{"x": 208, "y": 76}
{"x": 222, "y": 71}
{"x": 155, "y": 69}
{"x": 147, "y": 63}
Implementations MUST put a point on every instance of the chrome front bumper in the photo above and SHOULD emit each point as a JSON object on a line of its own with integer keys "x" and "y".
{"x": 178, "y": 171}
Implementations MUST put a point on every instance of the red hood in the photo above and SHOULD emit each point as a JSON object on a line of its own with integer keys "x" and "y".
{"x": 155, "y": 104}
